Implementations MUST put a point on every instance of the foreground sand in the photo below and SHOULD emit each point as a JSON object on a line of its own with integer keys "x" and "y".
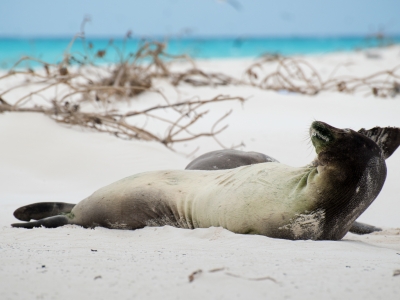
{"x": 44, "y": 161}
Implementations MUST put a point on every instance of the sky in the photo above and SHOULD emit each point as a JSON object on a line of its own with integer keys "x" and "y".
{"x": 208, "y": 18}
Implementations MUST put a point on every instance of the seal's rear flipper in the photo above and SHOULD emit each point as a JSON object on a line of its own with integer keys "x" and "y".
{"x": 361, "y": 228}
{"x": 51, "y": 222}
{"x": 41, "y": 210}
{"x": 387, "y": 138}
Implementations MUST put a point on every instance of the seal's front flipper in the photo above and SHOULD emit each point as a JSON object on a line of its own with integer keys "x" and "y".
{"x": 41, "y": 210}
{"x": 361, "y": 228}
{"x": 387, "y": 138}
{"x": 227, "y": 159}
{"x": 51, "y": 222}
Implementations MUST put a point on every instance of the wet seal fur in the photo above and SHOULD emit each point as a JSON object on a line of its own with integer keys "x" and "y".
{"x": 387, "y": 138}
{"x": 320, "y": 201}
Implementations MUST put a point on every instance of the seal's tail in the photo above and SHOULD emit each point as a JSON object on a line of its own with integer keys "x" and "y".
{"x": 41, "y": 210}
{"x": 51, "y": 222}
{"x": 362, "y": 228}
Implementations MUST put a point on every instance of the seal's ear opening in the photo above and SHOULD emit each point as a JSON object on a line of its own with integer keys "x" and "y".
{"x": 387, "y": 138}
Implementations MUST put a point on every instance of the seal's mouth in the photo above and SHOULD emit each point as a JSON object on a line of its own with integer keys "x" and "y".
{"x": 321, "y": 135}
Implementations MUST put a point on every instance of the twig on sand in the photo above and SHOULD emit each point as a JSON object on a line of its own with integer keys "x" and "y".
{"x": 194, "y": 275}
{"x": 252, "y": 279}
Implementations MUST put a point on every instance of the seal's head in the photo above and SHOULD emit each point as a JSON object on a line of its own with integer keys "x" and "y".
{"x": 351, "y": 170}
{"x": 343, "y": 151}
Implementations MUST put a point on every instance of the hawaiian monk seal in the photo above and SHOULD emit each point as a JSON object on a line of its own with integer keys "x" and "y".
{"x": 387, "y": 138}
{"x": 319, "y": 201}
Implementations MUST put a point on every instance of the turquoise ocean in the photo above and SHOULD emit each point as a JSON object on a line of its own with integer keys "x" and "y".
{"x": 51, "y": 49}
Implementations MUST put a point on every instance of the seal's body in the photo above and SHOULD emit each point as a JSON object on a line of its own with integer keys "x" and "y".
{"x": 319, "y": 201}
{"x": 258, "y": 199}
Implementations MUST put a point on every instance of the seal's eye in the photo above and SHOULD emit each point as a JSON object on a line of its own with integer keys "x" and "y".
{"x": 347, "y": 130}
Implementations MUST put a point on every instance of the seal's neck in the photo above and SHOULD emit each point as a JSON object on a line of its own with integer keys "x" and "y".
{"x": 353, "y": 188}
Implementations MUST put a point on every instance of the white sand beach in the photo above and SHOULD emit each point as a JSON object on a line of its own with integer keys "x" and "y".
{"x": 44, "y": 161}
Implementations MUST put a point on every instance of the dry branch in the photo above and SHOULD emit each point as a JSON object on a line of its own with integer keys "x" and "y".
{"x": 117, "y": 123}
{"x": 299, "y": 76}
{"x": 198, "y": 77}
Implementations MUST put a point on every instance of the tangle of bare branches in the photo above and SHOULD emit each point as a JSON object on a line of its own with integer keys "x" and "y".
{"x": 299, "y": 76}
{"x": 79, "y": 91}
{"x": 77, "y": 81}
